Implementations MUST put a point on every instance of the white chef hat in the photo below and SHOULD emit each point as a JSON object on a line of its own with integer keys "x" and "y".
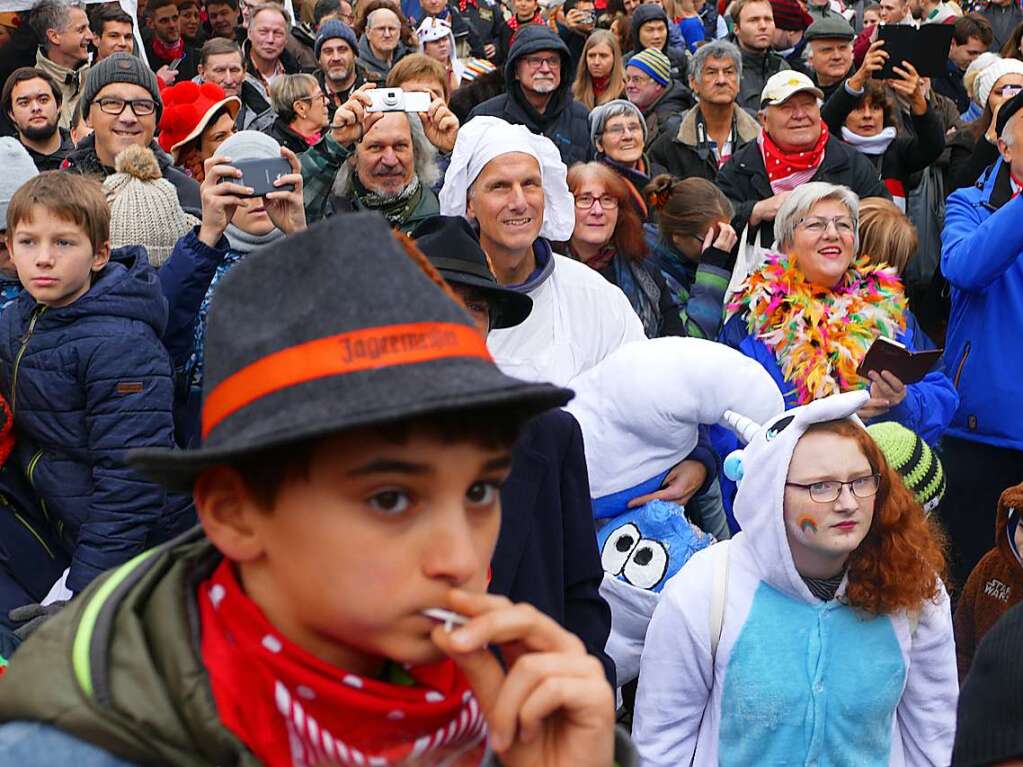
{"x": 481, "y": 140}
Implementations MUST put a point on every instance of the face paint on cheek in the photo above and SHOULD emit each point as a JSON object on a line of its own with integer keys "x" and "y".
{"x": 808, "y": 524}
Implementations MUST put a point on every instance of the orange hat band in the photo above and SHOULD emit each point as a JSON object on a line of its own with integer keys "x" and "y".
{"x": 366, "y": 349}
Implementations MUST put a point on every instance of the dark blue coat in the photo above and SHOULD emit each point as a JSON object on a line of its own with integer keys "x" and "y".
{"x": 88, "y": 382}
{"x": 546, "y": 553}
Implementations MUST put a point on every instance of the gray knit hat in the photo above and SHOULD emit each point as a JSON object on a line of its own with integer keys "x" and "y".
{"x": 17, "y": 169}
{"x": 144, "y": 208}
{"x": 250, "y": 145}
{"x": 334, "y": 28}
{"x": 601, "y": 114}
{"x": 120, "y": 68}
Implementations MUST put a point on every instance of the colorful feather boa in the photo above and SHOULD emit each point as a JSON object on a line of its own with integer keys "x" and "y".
{"x": 820, "y": 335}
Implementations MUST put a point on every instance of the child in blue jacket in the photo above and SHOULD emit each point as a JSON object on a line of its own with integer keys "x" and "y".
{"x": 86, "y": 376}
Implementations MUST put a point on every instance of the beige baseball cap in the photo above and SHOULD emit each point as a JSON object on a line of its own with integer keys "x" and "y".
{"x": 783, "y": 85}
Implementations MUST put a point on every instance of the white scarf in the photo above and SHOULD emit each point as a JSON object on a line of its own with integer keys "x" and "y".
{"x": 872, "y": 145}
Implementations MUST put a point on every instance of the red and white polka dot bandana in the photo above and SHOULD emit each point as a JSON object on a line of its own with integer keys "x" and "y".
{"x": 293, "y": 710}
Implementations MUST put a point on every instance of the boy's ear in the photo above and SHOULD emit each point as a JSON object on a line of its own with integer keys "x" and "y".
{"x": 226, "y": 508}
{"x": 101, "y": 256}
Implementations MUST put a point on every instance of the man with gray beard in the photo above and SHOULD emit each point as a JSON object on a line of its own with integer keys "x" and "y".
{"x": 382, "y": 161}
{"x": 539, "y": 78}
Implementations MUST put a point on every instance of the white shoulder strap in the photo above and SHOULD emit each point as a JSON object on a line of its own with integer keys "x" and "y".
{"x": 717, "y": 604}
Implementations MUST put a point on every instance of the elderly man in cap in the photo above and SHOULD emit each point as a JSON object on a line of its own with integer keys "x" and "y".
{"x": 511, "y": 183}
{"x": 794, "y": 148}
{"x": 702, "y": 139}
{"x": 650, "y": 87}
{"x": 382, "y": 161}
{"x": 336, "y": 51}
{"x": 982, "y": 259}
{"x": 121, "y": 103}
{"x": 546, "y": 512}
{"x": 538, "y": 79}
{"x": 830, "y": 42}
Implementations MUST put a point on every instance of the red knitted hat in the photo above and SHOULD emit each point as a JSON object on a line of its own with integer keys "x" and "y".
{"x": 789, "y": 15}
{"x": 188, "y": 108}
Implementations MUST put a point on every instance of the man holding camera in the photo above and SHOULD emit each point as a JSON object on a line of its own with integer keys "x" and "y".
{"x": 379, "y": 160}
{"x": 575, "y": 23}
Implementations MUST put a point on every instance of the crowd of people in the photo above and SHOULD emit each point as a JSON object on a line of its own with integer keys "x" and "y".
{"x": 549, "y": 383}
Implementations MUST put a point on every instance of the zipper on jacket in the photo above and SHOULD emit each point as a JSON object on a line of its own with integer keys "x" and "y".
{"x": 29, "y": 474}
{"x": 25, "y": 523}
{"x": 36, "y": 314}
{"x": 962, "y": 364}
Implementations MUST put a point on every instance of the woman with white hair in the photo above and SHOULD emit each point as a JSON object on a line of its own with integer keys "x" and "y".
{"x": 618, "y": 131}
{"x": 810, "y": 313}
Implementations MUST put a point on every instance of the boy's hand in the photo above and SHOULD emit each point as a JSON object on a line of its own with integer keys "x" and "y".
{"x": 285, "y": 208}
{"x": 553, "y": 707}
{"x": 219, "y": 200}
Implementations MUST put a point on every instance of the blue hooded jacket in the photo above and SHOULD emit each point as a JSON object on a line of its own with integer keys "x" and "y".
{"x": 87, "y": 382}
{"x": 982, "y": 258}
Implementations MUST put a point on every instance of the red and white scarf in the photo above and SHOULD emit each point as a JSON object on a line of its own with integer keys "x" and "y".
{"x": 787, "y": 170}
{"x": 514, "y": 24}
{"x": 166, "y": 52}
{"x": 293, "y": 710}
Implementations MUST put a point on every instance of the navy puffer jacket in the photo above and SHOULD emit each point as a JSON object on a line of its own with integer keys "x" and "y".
{"x": 88, "y": 382}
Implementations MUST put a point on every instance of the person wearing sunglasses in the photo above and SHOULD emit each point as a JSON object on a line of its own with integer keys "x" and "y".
{"x": 301, "y": 108}
{"x": 809, "y": 314}
{"x": 122, "y": 104}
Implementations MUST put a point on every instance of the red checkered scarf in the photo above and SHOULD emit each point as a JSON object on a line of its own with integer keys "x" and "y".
{"x": 787, "y": 170}
{"x": 514, "y": 24}
{"x": 292, "y": 710}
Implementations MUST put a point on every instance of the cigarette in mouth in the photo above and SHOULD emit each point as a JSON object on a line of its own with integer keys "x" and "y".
{"x": 447, "y": 617}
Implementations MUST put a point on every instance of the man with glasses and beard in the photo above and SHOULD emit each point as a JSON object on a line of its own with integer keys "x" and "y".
{"x": 121, "y": 103}
{"x": 31, "y": 100}
{"x": 539, "y": 96}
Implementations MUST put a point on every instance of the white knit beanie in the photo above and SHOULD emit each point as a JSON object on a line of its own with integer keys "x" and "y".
{"x": 992, "y": 74}
{"x": 17, "y": 167}
{"x": 144, "y": 208}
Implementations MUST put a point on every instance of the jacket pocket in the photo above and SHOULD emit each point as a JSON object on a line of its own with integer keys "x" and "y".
{"x": 962, "y": 364}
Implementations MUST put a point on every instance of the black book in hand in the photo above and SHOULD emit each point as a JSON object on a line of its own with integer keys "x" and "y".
{"x": 909, "y": 367}
{"x": 925, "y": 48}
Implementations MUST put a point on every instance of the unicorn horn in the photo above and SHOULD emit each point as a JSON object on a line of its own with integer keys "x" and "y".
{"x": 744, "y": 427}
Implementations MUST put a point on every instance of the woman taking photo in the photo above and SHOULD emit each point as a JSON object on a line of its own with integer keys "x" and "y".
{"x": 811, "y": 312}
{"x": 692, "y": 247}
{"x": 601, "y": 78}
{"x": 608, "y": 237}
{"x": 196, "y": 120}
{"x": 822, "y": 631}
{"x": 618, "y": 132}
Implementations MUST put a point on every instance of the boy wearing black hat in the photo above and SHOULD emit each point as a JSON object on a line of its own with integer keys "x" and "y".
{"x": 547, "y": 515}
{"x": 353, "y": 447}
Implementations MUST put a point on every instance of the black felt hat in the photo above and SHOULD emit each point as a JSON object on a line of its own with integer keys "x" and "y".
{"x": 452, "y": 245}
{"x": 331, "y": 329}
{"x": 1006, "y": 111}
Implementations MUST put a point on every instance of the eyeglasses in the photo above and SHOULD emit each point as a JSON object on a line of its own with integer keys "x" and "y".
{"x": 621, "y": 130}
{"x": 114, "y": 106}
{"x": 585, "y": 201}
{"x": 829, "y": 490}
{"x": 818, "y": 225}
{"x": 385, "y": 31}
{"x": 535, "y": 62}
{"x": 318, "y": 96}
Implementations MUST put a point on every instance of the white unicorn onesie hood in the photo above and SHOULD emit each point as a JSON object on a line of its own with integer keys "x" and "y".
{"x": 640, "y": 410}
{"x": 744, "y": 665}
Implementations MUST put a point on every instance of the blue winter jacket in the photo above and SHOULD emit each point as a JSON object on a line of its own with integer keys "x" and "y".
{"x": 927, "y": 408}
{"x": 86, "y": 383}
{"x": 982, "y": 258}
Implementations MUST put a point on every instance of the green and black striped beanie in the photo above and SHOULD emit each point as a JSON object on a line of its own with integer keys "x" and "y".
{"x": 913, "y": 458}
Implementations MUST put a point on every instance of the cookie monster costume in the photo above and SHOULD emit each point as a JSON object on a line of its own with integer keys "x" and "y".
{"x": 639, "y": 410}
